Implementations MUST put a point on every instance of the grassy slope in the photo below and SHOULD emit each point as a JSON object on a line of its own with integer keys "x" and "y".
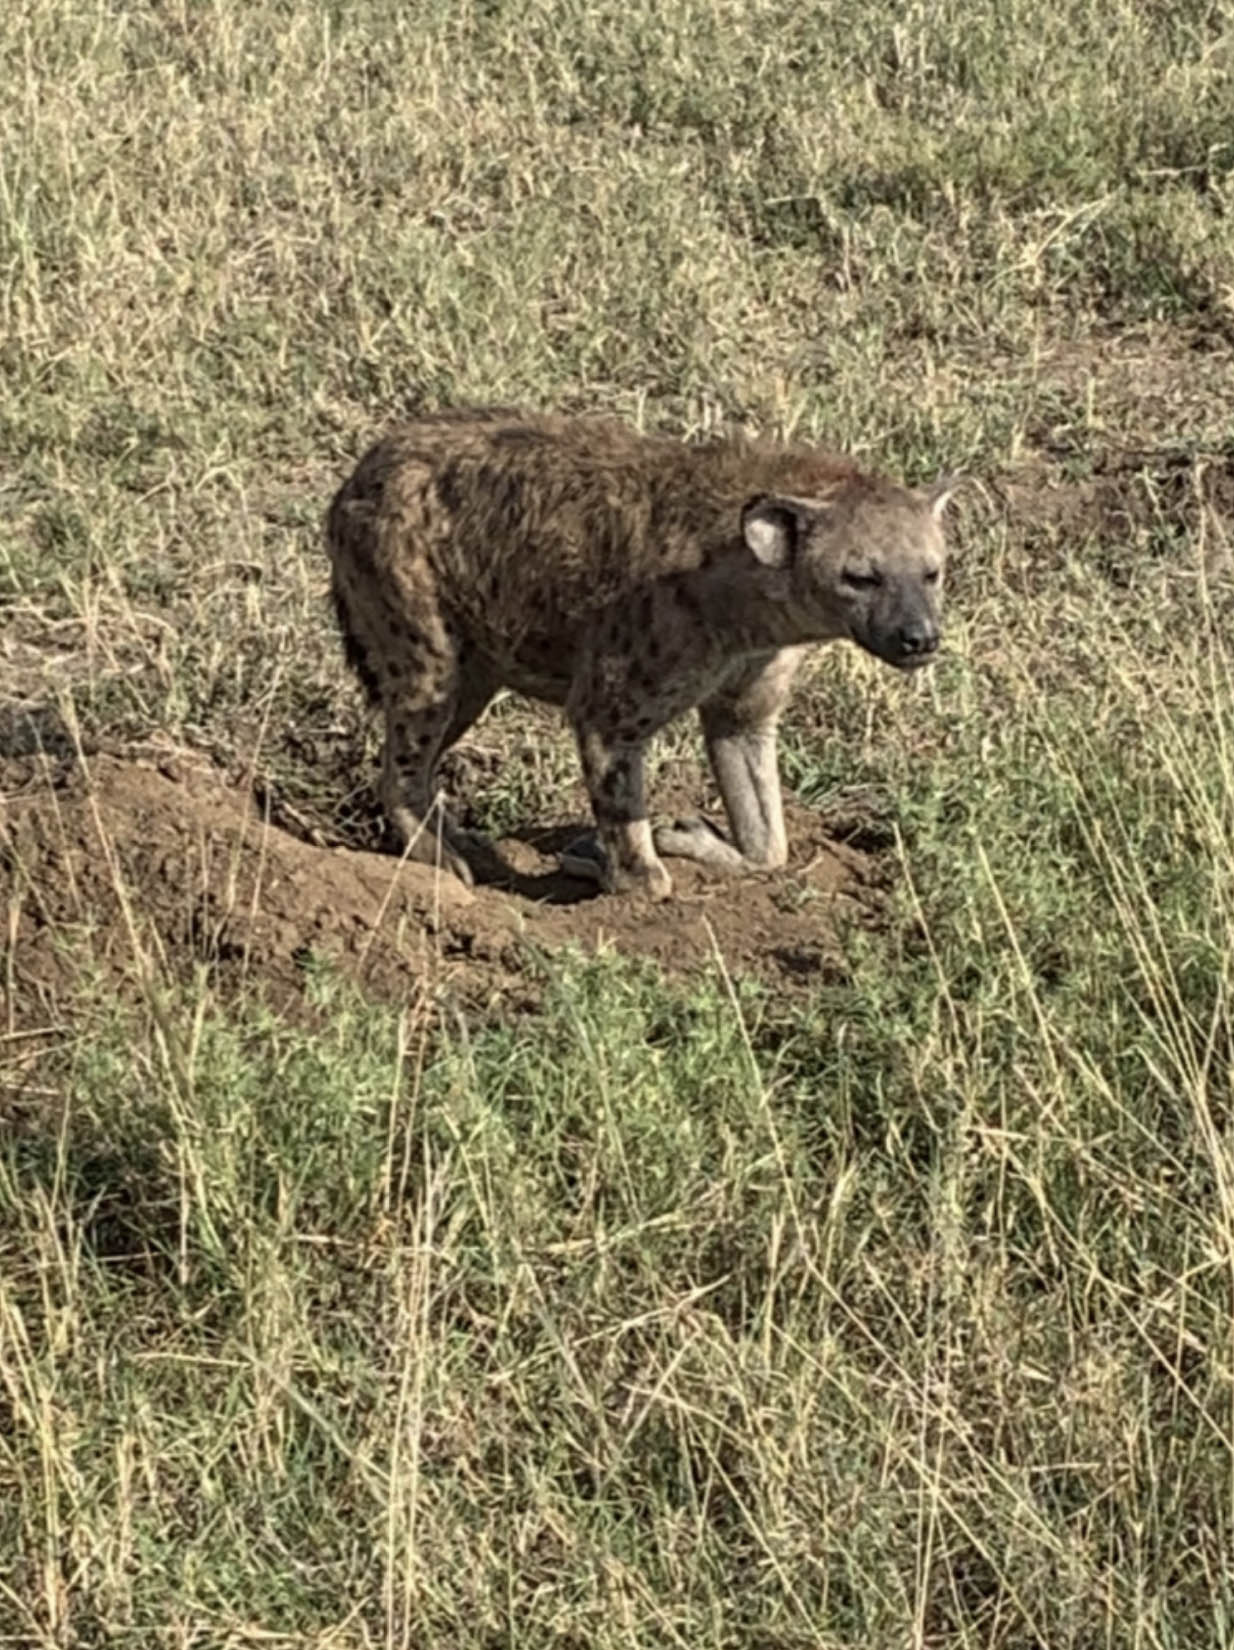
{"x": 656, "y": 1319}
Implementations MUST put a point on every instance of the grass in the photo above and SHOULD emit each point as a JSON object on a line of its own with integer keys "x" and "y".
{"x": 896, "y": 1314}
{"x": 671, "y": 1316}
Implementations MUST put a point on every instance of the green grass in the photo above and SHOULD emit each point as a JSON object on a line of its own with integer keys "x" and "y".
{"x": 667, "y": 1316}
{"x": 895, "y": 1315}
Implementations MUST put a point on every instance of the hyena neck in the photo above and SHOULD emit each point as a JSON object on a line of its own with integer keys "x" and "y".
{"x": 751, "y": 612}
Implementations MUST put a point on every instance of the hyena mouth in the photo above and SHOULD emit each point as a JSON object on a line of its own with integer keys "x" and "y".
{"x": 902, "y": 658}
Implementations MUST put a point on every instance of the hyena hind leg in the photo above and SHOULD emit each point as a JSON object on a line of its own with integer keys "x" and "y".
{"x": 426, "y": 713}
{"x": 429, "y": 689}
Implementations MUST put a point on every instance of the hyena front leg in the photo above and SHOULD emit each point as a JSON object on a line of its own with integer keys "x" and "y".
{"x": 614, "y": 708}
{"x": 627, "y": 861}
{"x": 739, "y": 726}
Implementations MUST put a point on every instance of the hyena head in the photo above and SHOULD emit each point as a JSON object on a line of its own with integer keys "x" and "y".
{"x": 865, "y": 562}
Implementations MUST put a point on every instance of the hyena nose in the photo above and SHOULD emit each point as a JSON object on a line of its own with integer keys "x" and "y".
{"x": 918, "y": 638}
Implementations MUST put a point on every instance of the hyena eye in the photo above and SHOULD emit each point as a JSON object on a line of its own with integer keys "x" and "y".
{"x": 931, "y": 577}
{"x": 861, "y": 581}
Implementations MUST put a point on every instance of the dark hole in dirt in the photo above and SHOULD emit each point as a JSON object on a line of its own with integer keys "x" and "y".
{"x": 810, "y": 963}
{"x": 35, "y": 730}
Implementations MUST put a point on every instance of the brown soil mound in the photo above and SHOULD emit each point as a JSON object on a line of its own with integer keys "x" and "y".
{"x": 127, "y": 864}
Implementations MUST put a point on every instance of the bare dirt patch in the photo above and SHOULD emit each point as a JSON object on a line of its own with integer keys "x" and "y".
{"x": 123, "y": 864}
{"x": 1127, "y": 503}
{"x": 1124, "y": 452}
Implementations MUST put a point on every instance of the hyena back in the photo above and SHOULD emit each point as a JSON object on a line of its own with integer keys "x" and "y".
{"x": 627, "y": 579}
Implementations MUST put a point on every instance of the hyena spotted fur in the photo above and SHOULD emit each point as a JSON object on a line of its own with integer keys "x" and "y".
{"x": 626, "y": 578}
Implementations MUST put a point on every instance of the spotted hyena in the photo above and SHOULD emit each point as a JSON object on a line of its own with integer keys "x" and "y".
{"x": 626, "y": 578}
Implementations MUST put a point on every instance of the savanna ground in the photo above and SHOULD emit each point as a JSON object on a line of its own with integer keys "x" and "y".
{"x": 844, "y": 1258}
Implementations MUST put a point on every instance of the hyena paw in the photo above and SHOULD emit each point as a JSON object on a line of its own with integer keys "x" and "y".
{"x": 699, "y": 840}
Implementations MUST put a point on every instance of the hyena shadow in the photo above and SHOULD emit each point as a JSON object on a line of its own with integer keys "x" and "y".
{"x": 555, "y": 885}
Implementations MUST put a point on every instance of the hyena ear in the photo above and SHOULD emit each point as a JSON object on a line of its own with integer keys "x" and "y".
{"x": 940, "y": 491}
{"x": 774, "y": 527}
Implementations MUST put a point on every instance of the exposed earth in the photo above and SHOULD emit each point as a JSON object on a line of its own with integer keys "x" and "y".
{"x": 136, "y": 864}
